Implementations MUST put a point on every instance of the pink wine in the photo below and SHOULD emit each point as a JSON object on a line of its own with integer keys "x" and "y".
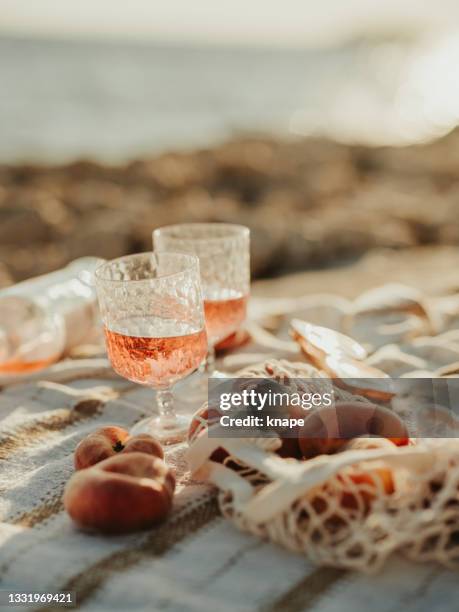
{"x": 18, "y": 366}
{"x": 224, "y": 316}
{"x": 158, "y": 360}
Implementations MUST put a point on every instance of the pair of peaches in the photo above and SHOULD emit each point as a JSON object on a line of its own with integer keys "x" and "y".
{"x": 121, "y": 484}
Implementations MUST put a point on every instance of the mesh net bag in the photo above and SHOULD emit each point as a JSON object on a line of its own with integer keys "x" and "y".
{"x": 350, "y": 510}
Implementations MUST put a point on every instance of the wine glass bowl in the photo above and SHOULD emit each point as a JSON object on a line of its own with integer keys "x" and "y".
{"x": 224, "y": 256}
{"x": 152, "y": 310}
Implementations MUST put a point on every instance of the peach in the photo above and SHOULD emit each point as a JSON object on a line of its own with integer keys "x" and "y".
{"x": 328, "y": 429}
{"x": 108, "y": 441}
{"x": 124, "y": 493}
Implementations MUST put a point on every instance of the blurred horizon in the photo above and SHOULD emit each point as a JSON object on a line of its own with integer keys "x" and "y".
{"x": 96, "y": 80}
{"x": 380, "y": 37}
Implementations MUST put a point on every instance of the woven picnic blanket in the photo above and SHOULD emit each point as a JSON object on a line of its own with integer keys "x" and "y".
{"x": 197, "y": 560}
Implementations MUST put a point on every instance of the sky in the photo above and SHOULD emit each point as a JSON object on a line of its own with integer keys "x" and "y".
{"x": 271, "y": 22}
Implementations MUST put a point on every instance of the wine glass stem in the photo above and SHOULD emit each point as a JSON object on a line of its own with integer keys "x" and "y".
{"x": 210, "y": 361}
{"x": 165, "y": 401}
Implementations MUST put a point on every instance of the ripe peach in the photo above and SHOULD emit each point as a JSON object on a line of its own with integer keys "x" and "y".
{"x": 124, "y": 493}
{"x": 328, "y": 429}
{"x": 108, "y": 441}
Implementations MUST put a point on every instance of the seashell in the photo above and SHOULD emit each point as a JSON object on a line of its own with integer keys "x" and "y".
{"x": 345, "y": 367}
{"x": 316, "y": 341}
{"x": 339, "y": 356}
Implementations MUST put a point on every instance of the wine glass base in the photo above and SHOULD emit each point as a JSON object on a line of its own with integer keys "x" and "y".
{"x": 167, "y": 432}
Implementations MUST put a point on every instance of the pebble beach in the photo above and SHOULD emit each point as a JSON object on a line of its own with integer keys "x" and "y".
{"x": 309, "y": 203}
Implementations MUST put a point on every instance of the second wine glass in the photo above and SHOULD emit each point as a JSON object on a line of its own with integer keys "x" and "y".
{"x": 224, "y": 257}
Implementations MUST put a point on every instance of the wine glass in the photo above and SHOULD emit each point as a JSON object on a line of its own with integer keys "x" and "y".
{"x": 224, "y": 257}
{"x": 152, "y": 310}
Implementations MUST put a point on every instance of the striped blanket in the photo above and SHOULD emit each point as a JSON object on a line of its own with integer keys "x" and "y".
{"x": 195, "y": 561}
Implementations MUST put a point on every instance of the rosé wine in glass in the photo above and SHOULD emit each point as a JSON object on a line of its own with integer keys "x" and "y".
{"x": 152, "y": 310}
{"x": 223, "y": 250}
{"x": 224, "y": 316}
{"x": 159, "y": 360}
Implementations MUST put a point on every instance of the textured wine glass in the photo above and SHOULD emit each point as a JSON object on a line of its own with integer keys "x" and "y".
{"x": 152, "y": 310}
{"x": 224, "y": 256}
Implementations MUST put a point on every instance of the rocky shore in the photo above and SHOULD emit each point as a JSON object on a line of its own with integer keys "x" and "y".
{"x": 309, "y": 203}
